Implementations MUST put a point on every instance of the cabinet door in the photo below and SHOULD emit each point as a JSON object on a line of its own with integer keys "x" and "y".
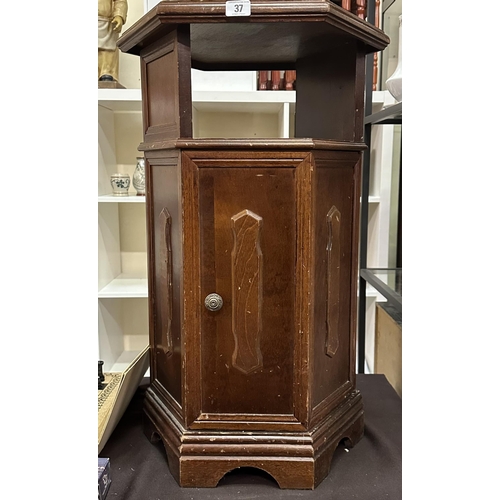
{"x": 248, "y": 252}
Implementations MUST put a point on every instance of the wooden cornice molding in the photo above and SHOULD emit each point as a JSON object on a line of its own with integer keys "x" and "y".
{"x": 166, "y": 15}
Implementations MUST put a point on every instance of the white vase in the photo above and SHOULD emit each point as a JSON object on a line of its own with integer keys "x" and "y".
{"x": 139, "y": 177}
{"x": 395, "y": 82}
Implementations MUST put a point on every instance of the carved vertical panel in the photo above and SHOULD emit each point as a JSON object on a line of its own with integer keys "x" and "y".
{"x": 166, "y": 281}
{"x": 333, "y": 284}
{"x": 246, "y": 269}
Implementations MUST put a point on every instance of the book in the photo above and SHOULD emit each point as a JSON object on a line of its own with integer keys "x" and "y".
{"x": 103, "y": 477}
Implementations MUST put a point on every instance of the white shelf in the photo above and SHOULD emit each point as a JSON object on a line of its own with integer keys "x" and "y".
{"x": 124, "y": 287}
{"x": 120, "y": 99}
{"x": 126, "y": 100}
{"x": 254, "y": 97}
{"x": 109, "y": 198}
{"x": 131, "y": 99}
{"x": 372, "y": 199}
{"x": 270, "y": 102}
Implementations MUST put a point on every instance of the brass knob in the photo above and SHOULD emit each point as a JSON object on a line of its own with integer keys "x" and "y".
{"x": 213, "y": 302}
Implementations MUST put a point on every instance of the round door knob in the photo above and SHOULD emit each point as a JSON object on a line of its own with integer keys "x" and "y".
{"x": 213, "y": 302}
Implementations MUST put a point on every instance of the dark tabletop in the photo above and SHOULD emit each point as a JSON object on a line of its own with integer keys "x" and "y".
{"x": 371, "y": 470}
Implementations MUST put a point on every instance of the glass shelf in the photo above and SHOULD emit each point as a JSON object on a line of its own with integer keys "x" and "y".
{"x": 391, "y": 115}
{"x": 389, "y": 282}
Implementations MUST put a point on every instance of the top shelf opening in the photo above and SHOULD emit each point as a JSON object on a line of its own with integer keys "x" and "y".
{"x": 276, "y": 34}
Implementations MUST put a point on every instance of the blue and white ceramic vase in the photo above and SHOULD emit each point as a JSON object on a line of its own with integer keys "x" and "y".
{"x": 120, "y": 184}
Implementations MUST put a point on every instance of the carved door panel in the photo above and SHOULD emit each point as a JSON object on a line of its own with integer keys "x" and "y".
{"x": 247, "y": 246}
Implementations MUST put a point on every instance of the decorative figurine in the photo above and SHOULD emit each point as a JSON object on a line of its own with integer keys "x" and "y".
{"x": 112, "y": 15}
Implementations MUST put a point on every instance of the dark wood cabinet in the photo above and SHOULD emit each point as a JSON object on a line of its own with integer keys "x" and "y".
{"x": 252, "y": 243}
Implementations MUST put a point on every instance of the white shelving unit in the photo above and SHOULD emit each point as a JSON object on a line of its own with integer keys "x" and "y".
{"x": 122, "y": 260}
{"x": 122, "y": 271}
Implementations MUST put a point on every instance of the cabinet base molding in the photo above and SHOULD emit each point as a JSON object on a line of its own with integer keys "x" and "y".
{"x": 296, "y": 460}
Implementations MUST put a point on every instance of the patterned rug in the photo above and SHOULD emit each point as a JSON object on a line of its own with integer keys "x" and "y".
{"x": 106, "y": 399}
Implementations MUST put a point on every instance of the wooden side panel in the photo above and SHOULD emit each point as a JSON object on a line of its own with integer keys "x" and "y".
{"x": 248, "y": 238}
{"x": 162, "y": 83}
{"x": 325, "y": 86}
{"x": 166, "y": 87}
{"x": 165, "y": 271}
{"x": 334, "y": 225}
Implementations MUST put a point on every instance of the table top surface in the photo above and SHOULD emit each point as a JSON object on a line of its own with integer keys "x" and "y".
{"x": 370, "y": 470}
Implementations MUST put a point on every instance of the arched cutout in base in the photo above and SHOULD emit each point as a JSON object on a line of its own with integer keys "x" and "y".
{"x": 348, "y": 441}
{"x": 339, "y": 450}
{"x": 247, "y": 475}
{"x": 154, "y": 437}
{"x": 150, "y": 431}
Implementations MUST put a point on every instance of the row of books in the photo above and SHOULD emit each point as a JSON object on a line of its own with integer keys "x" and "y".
{"x": 285, "y": 80}
{"x": 276, "y": 80}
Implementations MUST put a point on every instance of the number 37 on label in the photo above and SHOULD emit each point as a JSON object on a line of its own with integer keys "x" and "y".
{"x": 237, "y": 8}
